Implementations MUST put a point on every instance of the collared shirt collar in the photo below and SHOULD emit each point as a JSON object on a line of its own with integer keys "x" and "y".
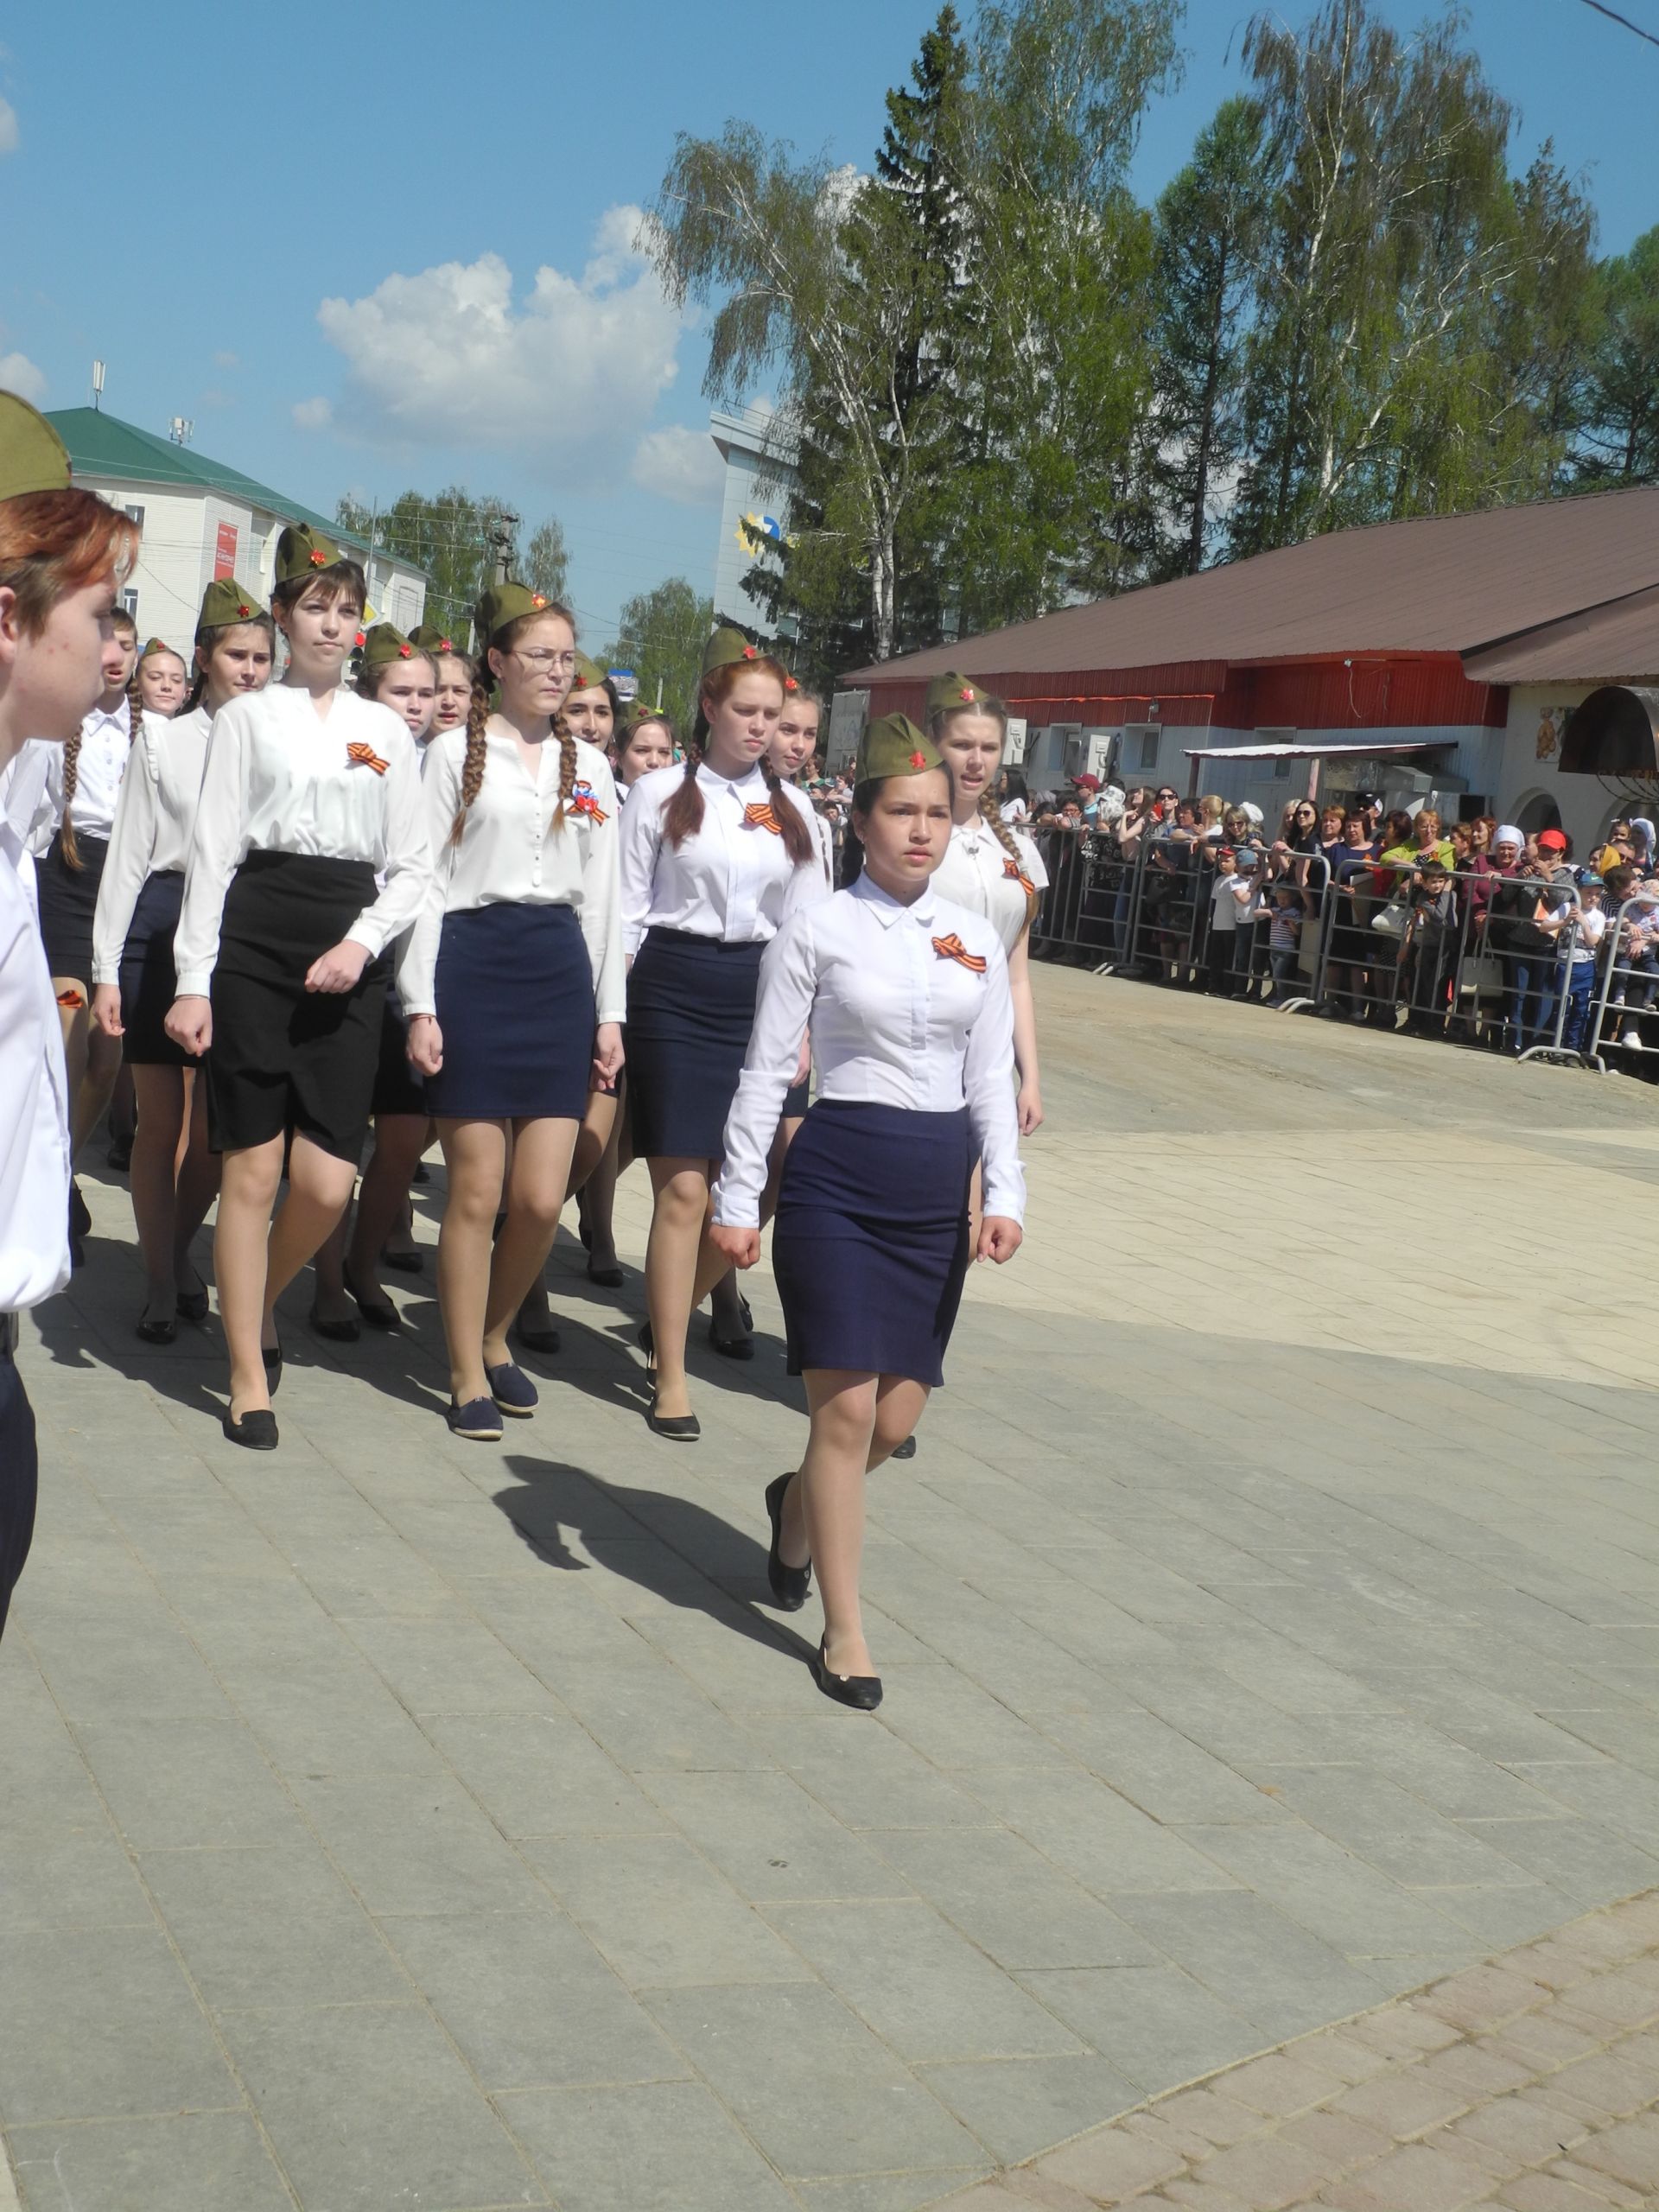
{"x": 713, "y": 781}
{"x": 119, "y": 717}
{"x": 887, "y": 910}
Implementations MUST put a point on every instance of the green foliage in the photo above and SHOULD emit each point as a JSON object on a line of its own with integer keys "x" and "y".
{"x": 547, "y": 562}
{"x": 457, "y": 537}
{"x": 1619, "y": 440}
{"x": 662, "y": 635}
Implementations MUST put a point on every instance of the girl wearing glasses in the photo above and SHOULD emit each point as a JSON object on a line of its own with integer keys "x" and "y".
{"x": 512, "y": 981}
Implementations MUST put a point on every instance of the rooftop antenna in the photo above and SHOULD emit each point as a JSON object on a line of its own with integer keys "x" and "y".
{"x": 179, "y": 429}
{"x": 98, "y": 384}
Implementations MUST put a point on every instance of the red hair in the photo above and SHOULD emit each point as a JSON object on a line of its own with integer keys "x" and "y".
{"x": 683, "y": 816}
{"x": 53, "y": 542}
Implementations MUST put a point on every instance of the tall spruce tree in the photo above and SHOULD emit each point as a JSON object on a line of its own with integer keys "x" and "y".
{"x": 1618, "y": 441}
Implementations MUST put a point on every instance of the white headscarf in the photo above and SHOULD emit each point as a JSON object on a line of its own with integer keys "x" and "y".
{"x": 1507, "y": 834}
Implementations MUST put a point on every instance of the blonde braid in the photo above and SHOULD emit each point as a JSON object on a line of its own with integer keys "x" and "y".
{"x": 67, "y": 843}
{"x": 798, "y": 840}
{"x": 567, "y": 768}
{"x": 472, "y": 772}
{"x": 1005, "y": 837}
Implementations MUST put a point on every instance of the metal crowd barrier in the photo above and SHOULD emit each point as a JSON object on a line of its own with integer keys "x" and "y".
{"x": 1368, "y": 950}
{"x": 1630, "y": 979}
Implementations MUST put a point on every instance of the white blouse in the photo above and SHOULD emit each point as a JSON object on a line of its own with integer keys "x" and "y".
{"x": 512, "y": 851}
{"x": 976, "y": 874}
{"x": 34, "y": 1104}
{"x": 279, "y": 780}
{"x": 105, "y": 748}
{"x": 153, "y": 818}
{"x": 733, "y": 879}
{"x": 897, "y": 1021}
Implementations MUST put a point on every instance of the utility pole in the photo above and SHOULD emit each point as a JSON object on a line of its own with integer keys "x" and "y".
{"x": 502, "y": 531}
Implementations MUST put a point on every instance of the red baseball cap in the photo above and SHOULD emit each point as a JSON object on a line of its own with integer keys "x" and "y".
{"x": 1087, "y": 783}
{"x": 1552, "y": 839}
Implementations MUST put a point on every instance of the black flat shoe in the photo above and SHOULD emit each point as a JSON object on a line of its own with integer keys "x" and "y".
{"x": 789, "y": 1583}
{"x": 406, "y": 1263}
{"x": 337, "y": 1332}
{"x": 382, "y": 1315}
{"x": 678, "y": 1429}
{"x": 544, "y": 1341}
{"x": 256, "y": 1431}
{"x": 190, "y": 1305}
{"x": 861, "y": 1692}
{"x": 422, "y": 1172}
{"x": 904, "y": 1450}
{"x": 606, "y": 1278}
{"x": 273, "y": 1360}
{"x": 155, "y": 1332}
{"x": 80, "y": 1220}
{"x": 739, "y": 1347}
{"x": 119, "y": 1155}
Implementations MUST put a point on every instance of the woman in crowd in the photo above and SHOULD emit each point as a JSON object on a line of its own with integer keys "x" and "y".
{"x": 310, "y": 791}
{"x": 1014, "y": 796}
{"x": 162, "y": 680}
{"x": 989, "y": 867}
{"x": 134, "y": 983}
{"x": 715, "y": 855}
{"x": 907, "y": 998}
{"x": 402, "y": 676}
{"x": 452, "y": 675}
{"x": 1351, "y": 947}
{"x": 513, "y": 983}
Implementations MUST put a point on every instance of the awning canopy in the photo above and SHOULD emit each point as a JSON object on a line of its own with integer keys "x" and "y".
{"x": 1361, "y": 748}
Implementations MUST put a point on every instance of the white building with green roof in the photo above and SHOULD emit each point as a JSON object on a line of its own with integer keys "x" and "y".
{"x": 202, "y": 520}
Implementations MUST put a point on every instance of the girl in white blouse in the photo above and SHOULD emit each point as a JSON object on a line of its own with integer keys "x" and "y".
{"x": 164, "y": 679}
{"x": 716, "y": 856}
{"x": 990, "y": 865}
{"x": 310, "y": 795}
{"x": 133, "y": 979}
{"x": 913, "y": 1032}
{"x": 513, "y": 983}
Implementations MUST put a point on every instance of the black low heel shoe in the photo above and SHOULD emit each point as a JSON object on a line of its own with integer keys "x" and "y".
{"x": 861, "y": 1692}
{"x": 678, "y": 1429}
{"x": 256, "y": 1431}
{"x": 336, "y": 1332}
{"x": 155, "y": 1332}
{"x": 273, "y": 1360}
{"x": 191, "y": 1305}
{"x": 789, "y": 1583}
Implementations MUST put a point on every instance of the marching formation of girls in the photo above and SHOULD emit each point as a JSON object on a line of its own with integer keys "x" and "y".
{"x": 467, "y": 898}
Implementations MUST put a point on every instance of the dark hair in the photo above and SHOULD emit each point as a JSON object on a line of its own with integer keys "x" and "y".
{"x": 1619, "y": 878}
{"x": 345, "y": 578}
{"x": 621, "y": 739}
{"x": 207, "y": 643}
{"x": 1014, "y": 783}
{"x": 478, "y": 715}
{"x": 67, "y": 844}
{"x": 370, "y": 677}
{"x": 683, "y": 816}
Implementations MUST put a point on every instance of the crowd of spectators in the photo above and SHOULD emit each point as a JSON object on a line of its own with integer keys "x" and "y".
{"x": 1469, "y": 929}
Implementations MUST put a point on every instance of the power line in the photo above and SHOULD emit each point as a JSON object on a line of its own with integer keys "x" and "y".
{"x": 1613, "y": 16}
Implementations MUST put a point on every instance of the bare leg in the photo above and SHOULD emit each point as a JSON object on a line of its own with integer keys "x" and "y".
{"x": 159, "y": 1094}
{"x": 318, "y": 1190}
{"x": 842, "y": 1407}
{"x": 247, "y": 1193}
{"x": 677, "y": 1252}
{"x": 899, "y": 1407}
{"x": 538, "y": 1177}
{"x": 475, "y": 1156}
{"x": 593, "y": 1135}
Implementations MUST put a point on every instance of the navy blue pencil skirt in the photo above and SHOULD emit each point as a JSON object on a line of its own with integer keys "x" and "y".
{"x": 870, "y": 1244}
{"x": 148, "y": 980}
{"x": 690, "y": 1009}
{"x": 515, "y": 1002}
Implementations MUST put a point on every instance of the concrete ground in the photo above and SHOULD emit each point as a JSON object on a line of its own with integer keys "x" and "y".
{"x": 1270, "y": 1624}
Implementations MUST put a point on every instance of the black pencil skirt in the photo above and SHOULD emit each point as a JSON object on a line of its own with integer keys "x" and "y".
{"x": 285, "y": 1059}
{"x": 690, "y": 1009}
{"x": 870, "y": 1244}
{"x": 67, "y": 899}
{"x": 149, "y": 982}
{"x": 397, "y": 1089}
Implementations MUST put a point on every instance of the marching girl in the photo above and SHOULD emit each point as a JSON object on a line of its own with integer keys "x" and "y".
{"x": 990, "y": 865}
{"x": 404, "y": 677}
{"x": 133, "y": 979}
{"x": 162, "y": 679}
{"x": 913, "y": 1027}
{"x": 592, "y": 714}
{"x": 716, "y": 856}
{"x": 646, "y": 743}
{"x": 309, "y": 792}
{"x": 513, "y": 983}
{"x": 70, "y": 835}
{"x": 452, "y": 671}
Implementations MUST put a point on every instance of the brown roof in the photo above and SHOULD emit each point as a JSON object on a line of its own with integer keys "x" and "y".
{"x": 1440, "y": 583}
{"x": 1602, "y": 644}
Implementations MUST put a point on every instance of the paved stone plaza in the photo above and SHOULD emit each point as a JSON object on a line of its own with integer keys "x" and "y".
{"x": 1270, "y": 1624}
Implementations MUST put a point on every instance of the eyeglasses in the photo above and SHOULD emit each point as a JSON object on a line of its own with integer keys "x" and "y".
{"x": 1168, "y": 795}
{"x": 542, "y": 659}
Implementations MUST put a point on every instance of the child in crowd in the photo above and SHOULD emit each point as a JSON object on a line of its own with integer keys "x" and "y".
{"x": 1230, "y": 892}
{"x": 1635, "y": 951}
{"x": 1577, "y": 979}
{"x": 1430, "y": 946}
{"x": 1284, "y": 940}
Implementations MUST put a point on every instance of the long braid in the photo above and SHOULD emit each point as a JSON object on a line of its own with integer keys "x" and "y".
{"x": 798, "y": 840}
{"x": 567, "y": 767}
{"x": 683, "y": 816}
{"x": 1005, "y": 837}
{"x": 472, "y": 772}
{"x": 67, "y": 843}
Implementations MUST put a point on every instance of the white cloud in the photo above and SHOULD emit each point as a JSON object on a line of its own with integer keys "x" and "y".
{"x": 680, "y": 465}
{"x": 313, "y": 414}
{"x": 227, "y": 361}
{"x": 8, "y": 134}
{"x": 567, "y": 373}
{"x": 19, "y": 374}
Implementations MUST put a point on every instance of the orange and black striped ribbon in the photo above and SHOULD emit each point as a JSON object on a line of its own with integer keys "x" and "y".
{"x": 1011, "y": 868}
{"x": 367, "y": 756}
{"x": 583, "y": 802}
{"x": 762, "y": 817}
{"x": 952, "y": 947}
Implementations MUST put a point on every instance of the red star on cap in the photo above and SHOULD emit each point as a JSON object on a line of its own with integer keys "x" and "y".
{"x": 537, "y": 600}
{"x": 790, "y": 684}
{"x": 967, "y": 690}
{"x": 404, "y": 652}
{"x": 245, "y": 610}
{"x": 444, "y": 646}
{"x": 359, "y": 640}
{"x": 919, "y": 759}
{"x": 749, "y": 653}
{"x": 319, "y": 560}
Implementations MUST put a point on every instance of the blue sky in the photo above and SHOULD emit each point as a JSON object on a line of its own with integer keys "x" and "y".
{"x": 277, "y": 236}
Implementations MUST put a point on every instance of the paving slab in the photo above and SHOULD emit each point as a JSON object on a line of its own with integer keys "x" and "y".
{"x": 480, "y": 1798}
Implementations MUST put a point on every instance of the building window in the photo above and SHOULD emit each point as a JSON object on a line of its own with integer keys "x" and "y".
{"x": 130, "y": 602}
{"x": 1148, "y": 749}
{"x": 136, "y": 514}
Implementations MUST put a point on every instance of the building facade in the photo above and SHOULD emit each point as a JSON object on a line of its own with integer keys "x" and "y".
{"x": 753, "y": 507}
{"x": 201, "y": 519}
